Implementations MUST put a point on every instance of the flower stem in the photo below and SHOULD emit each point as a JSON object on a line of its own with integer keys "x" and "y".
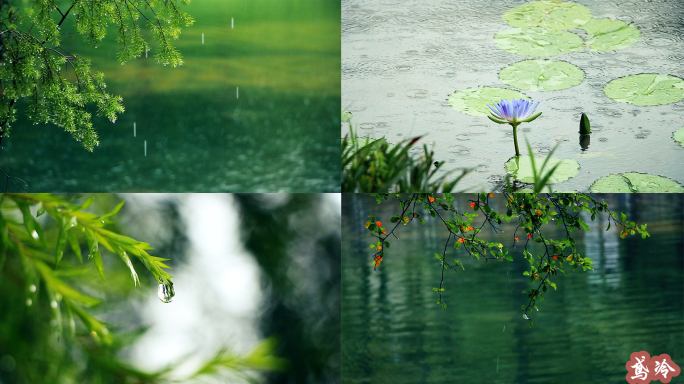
{"x": 515, "y": 138}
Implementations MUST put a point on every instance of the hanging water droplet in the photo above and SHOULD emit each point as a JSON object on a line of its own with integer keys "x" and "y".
{"x": 525, "y": 316}
{"x": 165, "y": 292}
{"x": 29, "y": 302}
{"x": 32, "y": 288}
{"x": 53, "y": 304}
{"x": 35, "y": 235}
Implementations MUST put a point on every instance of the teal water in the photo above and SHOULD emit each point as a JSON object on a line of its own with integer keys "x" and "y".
{"x": 393, "y": 332}
{"x": 254, "y": 108}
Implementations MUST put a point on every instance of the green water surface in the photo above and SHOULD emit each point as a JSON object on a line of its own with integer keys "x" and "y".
{"x": 255, "y": 108}
{"x": 394, "y": 332}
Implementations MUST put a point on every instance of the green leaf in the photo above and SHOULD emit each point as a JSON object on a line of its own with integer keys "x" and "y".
{"x": 551, "y": 15}
{"x": 610, "y": 35}
{"x": 124, "y": 256}
{"x": 473, "y": 101}
{"x": 75, "y": 245}
{"x": 61, "y": 242}
{"x": 678, "y": 136}
{"x": 94, "y": 252}
{"x": 646, "y": 89}
{"x": 520, "y": 168}
{"x": 32, "y": 226}
{"x": 635, "y": 183}
{"x": 113, "y": 211}
{"x": 541, "y": 75}
{"x": 85, "y": 204}
{"x": 538, "y": 42}
{"x": 58, "y": 285}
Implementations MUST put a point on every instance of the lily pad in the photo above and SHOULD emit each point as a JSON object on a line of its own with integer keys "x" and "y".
{"x": 520, "y": 167}
{"x": 473, "y": 101}
{"x": 610, "y": 35}
{"x": 646, "y": 89}
{"x": 541, "y": 75}
{"x": 635, "y": 183}
{"x": 678, "y": 136}
{"x": 346, "y": 115}
{"x": 552, "y": 15}
{"x": 538, "y": 42}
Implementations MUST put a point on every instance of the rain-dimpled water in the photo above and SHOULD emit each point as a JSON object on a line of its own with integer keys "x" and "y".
{"x": 401, "y": 60}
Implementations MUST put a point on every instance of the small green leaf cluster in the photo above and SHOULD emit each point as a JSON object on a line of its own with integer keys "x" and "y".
{"x": 532, "y": 212}
{"x": 34, "y": 66}
{"x": 41, "y": 261}
{"x": 377, "y": 166}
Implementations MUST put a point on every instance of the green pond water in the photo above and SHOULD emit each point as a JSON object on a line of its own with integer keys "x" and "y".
{"x": 393, "y": 332}
{"x": 254, "y": 108}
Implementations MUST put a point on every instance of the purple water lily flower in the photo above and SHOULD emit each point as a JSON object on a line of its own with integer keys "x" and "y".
{"x": 513, "y": 112}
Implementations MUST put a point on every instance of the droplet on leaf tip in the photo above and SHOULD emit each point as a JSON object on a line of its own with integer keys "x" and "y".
{"x": 165, "y": 292}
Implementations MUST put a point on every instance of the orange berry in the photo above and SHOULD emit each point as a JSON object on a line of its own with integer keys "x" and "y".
{"x": 460, "y": 240}
{"x": 367, "y": 224}
{"x": 536, "y": 276}
{"x": 415, "y": 214}
{"x": 384, "y": 232}
{"x": 379, "y": 224}
{"x": 516, "y": 239}
{"x": 379, "y": 247}
{"x": 569, "y": 258}
{"x": 472, "y": 205}
{"x": 405, "y": 219}
{"x": 431, "y": 199}
{"x": 538, "y": 213}
{"x": 491, "y": 195}
{"x": 529, "y": 235}
{"x": 555, "y": 256}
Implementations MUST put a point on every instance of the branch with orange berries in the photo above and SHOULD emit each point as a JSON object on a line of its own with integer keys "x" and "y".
{"x": 532, "y": 211}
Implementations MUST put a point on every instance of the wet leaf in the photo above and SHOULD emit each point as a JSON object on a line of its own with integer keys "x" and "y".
{"x": 635, "y": 183}
{"x": 473, "y": 101}
{"x": 678, "y": 136}
{"x": 552, "y": 15}
{"x": 609, "y": 35}
{"x": 541, "y": 75}
{"x": 538, "y": 42}
{"x": 521, "y": 169}
{"x": 646, "y": 89}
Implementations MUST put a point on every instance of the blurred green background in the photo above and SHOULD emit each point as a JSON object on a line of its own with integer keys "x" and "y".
{"x": 254, "y": 108}
{"x": 246, "y": 268}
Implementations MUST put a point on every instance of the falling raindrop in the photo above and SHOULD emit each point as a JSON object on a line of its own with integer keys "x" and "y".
{"x": 231, "y": 23}
{"x": 146, "y": 148}
{"x": 165, "y": 292}
{"x": 202, "y": 38}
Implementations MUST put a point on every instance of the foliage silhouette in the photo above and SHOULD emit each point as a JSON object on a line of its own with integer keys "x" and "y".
{"x": 34, "y": 66}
